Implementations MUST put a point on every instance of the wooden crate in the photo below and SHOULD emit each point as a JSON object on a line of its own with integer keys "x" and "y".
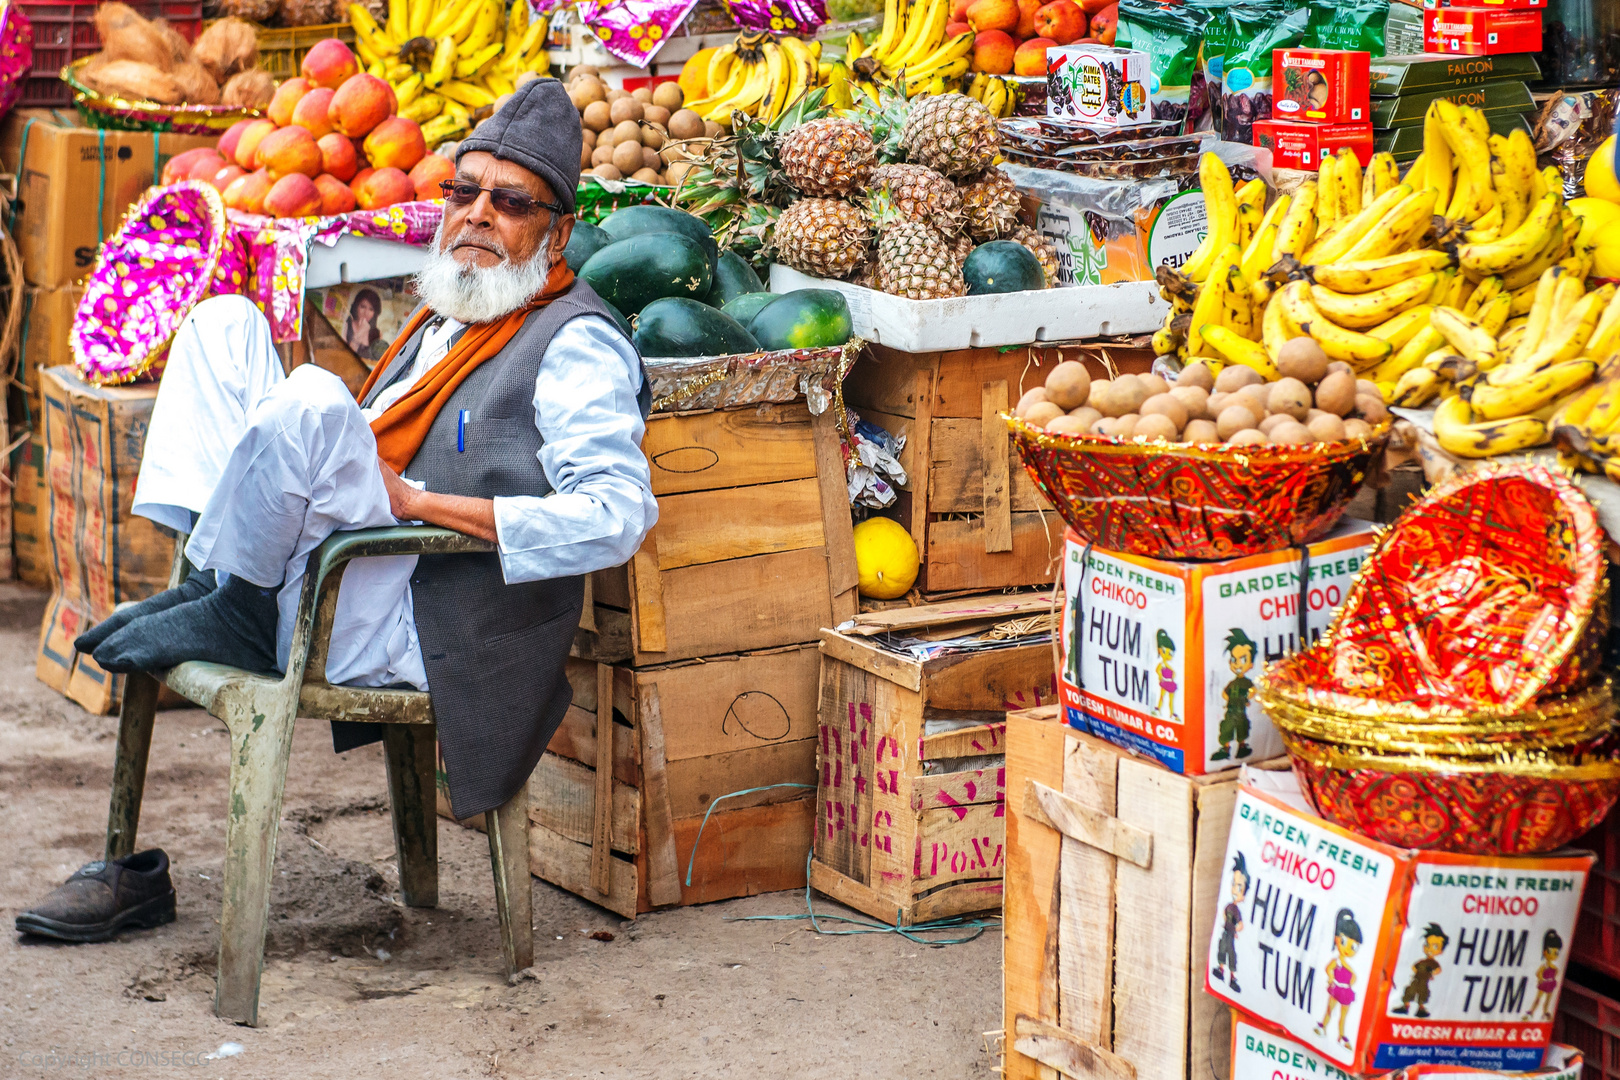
{"x": 909, "y": 815}
{"x": 1113, "y": 865}
{"x": 977, "y": 528}
{"x": 753, "y": 548}
{"x": 684, "y": 735}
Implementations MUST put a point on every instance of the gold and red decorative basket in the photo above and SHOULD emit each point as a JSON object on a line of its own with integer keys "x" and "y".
{"x": 1455, "y": 702}
{"x": 1195, "y": 500}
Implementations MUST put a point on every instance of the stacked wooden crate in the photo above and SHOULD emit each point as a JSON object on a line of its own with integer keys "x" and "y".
{"x": 701, "y": 657}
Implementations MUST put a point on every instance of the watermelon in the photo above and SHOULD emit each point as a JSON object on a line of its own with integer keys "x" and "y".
{"x": 746, "y": 306}
{"x": 586, "y": 240}
{"x": 803, "y": 319}
{"x": 630, "y": 274}
{"x": 733, "y": 277}
{"x": 1002, "y": 266}
{"x": 675, "y": 326}
{"x": 642, "y": 219}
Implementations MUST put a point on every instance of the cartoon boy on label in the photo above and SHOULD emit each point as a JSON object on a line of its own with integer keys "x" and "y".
{"x": 1234, "y": 729}
{"x": 1232, "y": 925}
{"x": 1417, "y": 988}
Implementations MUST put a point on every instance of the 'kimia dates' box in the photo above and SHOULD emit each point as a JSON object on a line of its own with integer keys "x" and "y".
{"x": 1377, "y": 957}
{"x": 1481, "y": 31}
{"x": 1162, "y": 657}
{"x": 1297, "y": 145}
{"x": 1098, "y": 85}
{"x": 1322, "y": 86}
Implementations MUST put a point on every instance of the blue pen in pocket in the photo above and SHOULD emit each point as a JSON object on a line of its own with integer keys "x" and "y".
{"x": 461, "y": 431}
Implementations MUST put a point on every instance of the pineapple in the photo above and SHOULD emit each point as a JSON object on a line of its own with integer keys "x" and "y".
{"x": 827, "y": 157}
{"x": 1041, "y": 248}
{"x": 914, "y": 259}
{"x": 919, "y": 194}
{"x": 824, "y": 237}
{"x": 950, "y": 133}
{"x": 990, "y": 205}
{"x": 961, "y": 247}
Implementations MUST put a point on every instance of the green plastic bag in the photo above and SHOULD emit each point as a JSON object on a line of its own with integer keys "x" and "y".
{"x": 1246, "y": 76}
{"x": 1170, "y": 35}
{"x": 1356, "y": 25}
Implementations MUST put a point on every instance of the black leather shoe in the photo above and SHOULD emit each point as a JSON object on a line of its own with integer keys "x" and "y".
{"x": 102, "y": 898}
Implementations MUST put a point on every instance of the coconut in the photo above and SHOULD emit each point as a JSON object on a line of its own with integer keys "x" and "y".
{"x": 179, "y": 47}
{"x": 228, "y": 47}
{"x": 127, "y": 36}
{"x": 136, "y": 81}
{"x": 195, "y": 83}
{"x": 250, "y": 89}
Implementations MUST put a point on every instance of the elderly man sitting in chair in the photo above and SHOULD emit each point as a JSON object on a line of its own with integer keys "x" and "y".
{"x": 510, "y": 408}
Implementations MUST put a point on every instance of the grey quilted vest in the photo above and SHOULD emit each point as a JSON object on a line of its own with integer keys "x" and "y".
{"x": 494, "y": 652}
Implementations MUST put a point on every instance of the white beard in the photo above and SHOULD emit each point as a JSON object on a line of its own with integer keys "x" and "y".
{"x": 477, "y": 294}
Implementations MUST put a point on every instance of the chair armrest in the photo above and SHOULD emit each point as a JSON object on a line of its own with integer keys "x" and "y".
{"x": 317, "y": 603}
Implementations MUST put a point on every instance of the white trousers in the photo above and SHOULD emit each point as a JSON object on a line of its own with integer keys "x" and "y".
{"x": 274, "y": 464}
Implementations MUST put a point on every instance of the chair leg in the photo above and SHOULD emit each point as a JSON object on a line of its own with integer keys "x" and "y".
{"x": 261, "y": 742}
{"x": 135, "y": 719}
{"x": 508, "y": 828}
{"x": 411, "y": 792}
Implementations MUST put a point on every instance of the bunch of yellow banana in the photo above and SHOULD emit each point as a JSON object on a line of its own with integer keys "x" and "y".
{"x": 993, "y": 92}
{"x": 1586, "y": 429}
{"x": 759, "y": 74}
{"x": 447, "y": 61}
{"x": 911, "y": 52}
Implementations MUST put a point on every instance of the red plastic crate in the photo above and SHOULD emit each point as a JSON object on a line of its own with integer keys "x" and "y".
{"x": 1597, "y": 930}
{"x": 1589, "y": 1022}
{"x": 65, "y": 32}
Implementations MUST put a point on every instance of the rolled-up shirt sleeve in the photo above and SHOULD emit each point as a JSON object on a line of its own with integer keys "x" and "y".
{"x": 601, "y": 505}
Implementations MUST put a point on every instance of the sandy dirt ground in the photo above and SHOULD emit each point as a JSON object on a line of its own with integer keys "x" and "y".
{"x": 357, "y": 986}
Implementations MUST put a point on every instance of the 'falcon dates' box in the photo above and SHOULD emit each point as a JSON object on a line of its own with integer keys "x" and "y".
{"x": 1481, "y": 31}
{"x": 1297, "y": 145}
{"x": 1162, "y": 657}
{"x": 1321, "y": 86}
{"x": 1379, "y": 958}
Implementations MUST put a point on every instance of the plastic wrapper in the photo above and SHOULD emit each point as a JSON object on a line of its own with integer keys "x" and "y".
{"x": 720, "y": 382}
{"x": 634, "y": 30}
{"x": 798, "y": 17}
{"x": 1569, "y": 130}
{"x": 1103, "y": 230}
{"x": 1246, "y": 74}
{"x": 1187, "y": 501}
{"x": 1170, "y": 35}
{"x": 872, "y": 463}
{"x": 16, "y": 54}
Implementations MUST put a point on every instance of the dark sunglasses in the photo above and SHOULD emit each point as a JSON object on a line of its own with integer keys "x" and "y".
{"x": 508, "y": 201}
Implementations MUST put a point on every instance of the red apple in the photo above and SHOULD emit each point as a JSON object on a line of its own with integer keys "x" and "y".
{"x": 1030, "y": 59}
{"x": 1061, "y": 20}
{"x": 993, "y": 52}
{"x": 995, "y": 15}
{"x": 1105, "y": 24}
{"x": 1026, "y": 19}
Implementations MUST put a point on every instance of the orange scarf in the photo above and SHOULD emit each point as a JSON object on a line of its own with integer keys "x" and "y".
{"x": 404, "y": 425}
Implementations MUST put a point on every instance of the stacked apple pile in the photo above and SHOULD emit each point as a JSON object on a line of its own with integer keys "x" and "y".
{"x": 1011, "y": 36}
{"x": 333, "y": 143}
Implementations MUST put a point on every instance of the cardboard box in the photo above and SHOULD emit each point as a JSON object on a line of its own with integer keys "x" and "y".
{"x": 1392, "y": 76}
{"x": 73, "y": 186}
{"x": 1133, "y": 626}
{"x": 1489, "y": 3}
{"x": 1098, "y": 85}
{"x": 30, "y": 553}
{"x": 1477, "y": 31}
{"x": 1491, "y": 98}
{"x": 1296, "y": 145}
{"x": 1324, "y": 86}
{"x": 99, "y": 554}
{"x": 1326, "y": 928}
{"x": 1257, "y": 1054}
{"x": 47, "y": 323}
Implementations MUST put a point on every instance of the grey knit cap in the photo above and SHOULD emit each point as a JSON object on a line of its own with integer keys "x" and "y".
{"x": 537, "y": 128}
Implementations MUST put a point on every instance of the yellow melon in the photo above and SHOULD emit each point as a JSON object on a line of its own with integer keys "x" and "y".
{"x": 886, "y": 559}
{"x": 1600, "y": 179}
{"x": 694, "y": 76}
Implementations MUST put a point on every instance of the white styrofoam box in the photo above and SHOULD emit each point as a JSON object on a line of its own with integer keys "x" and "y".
{"x": 360, "y": 258}
{"x": 964, "y": 322}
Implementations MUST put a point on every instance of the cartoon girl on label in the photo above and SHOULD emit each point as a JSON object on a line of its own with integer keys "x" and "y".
{"x": 1546, "y": 975}
{"x": 1167, "y": 677}
{"x": 1341, "y": 980}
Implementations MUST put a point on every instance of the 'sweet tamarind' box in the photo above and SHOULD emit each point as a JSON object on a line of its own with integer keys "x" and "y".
{"x": 1321, "y": 86}
{"x": 1480, "y": 31}
{"x": 1378, "y": 958}
{"x": 1162, "y": 657}
{"x": 1298, "y": 145}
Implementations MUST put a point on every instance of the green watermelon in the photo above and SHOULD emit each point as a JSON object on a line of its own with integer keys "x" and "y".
{"x": 746, "y": 306}
{"x": 733, "y": 277}
{"x": 642, "y": 219}
{"x": 1002, "y": 266}
{"x": 586, "y": 240}
{"x": 630, "y": 274}
{"x": 803, "y": 319}
{"x": 675, "y": 326}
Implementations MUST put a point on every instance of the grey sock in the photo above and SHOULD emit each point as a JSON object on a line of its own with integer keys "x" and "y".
{"x": 234, "y": 625}
{"x": 195, "y": 587}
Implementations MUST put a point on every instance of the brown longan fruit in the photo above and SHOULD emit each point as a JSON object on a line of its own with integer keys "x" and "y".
{"x": 627, "y": 131}
{"x": 597, "y": 116}
{"x": 1068, "y": 425}
{"x": 607, "y": 171}
{"x": 1068, "y": 384}
{"x": 627, "y": 157}
{"x": 1042, "y": 413}
{"x": 1200, "y": 431}
{"x": 1303, "y": 359}
{"x": 1168, "y": 407}
{"x": 1371, "y": 409}
{"x": 1156, "y": 425}
{"x": 625, "y": 109}
{"x": 1235, "y": 377}
{"x": 602, "y": 155}
{"x": 1088, "y": 415}
{"x": 1326, "y": 428}
{"x": 669, "y": 95}
{"x": 1290, "y": 433}
{"x": 1031, "y": 396}
{"x": 1195, "y": 399}
{"x": 1289, "y": 395}
{"x": 1336, "y": 393}
{"x": 1233, "y": 419}
{"x": 1154, "y": 384}
{"x": 655, "y": 114}
{"x": 647, "y": 176}
{"x": 642, "y": 94}
{"x": 1196, "y": 374}
{"x": 1248, "y": 437}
